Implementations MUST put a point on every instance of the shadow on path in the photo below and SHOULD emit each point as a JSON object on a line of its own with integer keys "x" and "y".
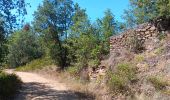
{"x": 38, "y": 91}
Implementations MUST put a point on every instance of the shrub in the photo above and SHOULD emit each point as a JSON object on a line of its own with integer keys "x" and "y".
{"x": 126, "y": 70}
{"x": 158, "y": 82}
{"x": 9, "y": 85}
{"x": 73, "y": 70}
{"x": 139, "y": 58}
{"x": 118, "y": 81}
{"x": 36, "y": 64}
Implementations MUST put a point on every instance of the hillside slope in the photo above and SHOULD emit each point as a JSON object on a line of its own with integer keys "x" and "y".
{"x": 139, "y": 65}
{"x": 149, "y": 55}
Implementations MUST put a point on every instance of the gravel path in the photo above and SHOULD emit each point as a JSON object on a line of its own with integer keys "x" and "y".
{"x": 36, "y": 87}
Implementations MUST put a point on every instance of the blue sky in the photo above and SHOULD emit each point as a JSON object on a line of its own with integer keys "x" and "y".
{"x": 94, "y": 8}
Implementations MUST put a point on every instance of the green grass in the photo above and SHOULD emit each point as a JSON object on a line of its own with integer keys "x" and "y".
{"x": 36, "y": 64}
{"x": 158, "y": 82}
{"x": 9, "y": 85}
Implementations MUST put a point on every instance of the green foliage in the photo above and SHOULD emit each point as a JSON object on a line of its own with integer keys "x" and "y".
{"x": 84, "y": 45}
{"x": 2, "y": 45}
{"x": 126, "y": 69}
{"x": 163, "y": 7}
{"x": 129, "y": 18}
{"x": 89, "y": 42}
{"x": 80, "y": 21}
{"x": 108, "y": 28}
{"x": 23, "y": 48}
{"x": 36, "y": 64}
{"x": 9, "y": 85}
{"x": 73, "y": 70}
{"x": 108, "y": 24}
{"x": 118, "y": 81}
{"x": 86, "y": 51}
{"x": 158, "y": 82}
{"x": 142, "y": 11}
{"x": 12, "y": 12}
{"x": 86, "y": 42}
{"x": 52, "y": 20}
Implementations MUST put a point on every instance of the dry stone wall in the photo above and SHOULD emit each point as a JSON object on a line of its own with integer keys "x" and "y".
{"x": 141, "y": 33}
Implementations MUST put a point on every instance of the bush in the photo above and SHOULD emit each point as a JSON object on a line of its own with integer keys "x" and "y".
{"x": 116, "y": 82}
{"x": 9, "y": 85}
{"x": 119, "y": 80}
{"x": 73, "y": 70}
{"x": 126, "y": 70}
{"x": 158, "y": 82}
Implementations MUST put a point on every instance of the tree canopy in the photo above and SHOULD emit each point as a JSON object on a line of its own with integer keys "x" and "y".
{"x": 141, "y": 11}
{"x": 52, "y": 20}
{"x": 11, "y": 14}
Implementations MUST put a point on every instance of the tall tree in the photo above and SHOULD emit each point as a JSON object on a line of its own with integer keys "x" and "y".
{"x": 142, "y": 11}
{"x": 2, "y": 41}
{"x": 80, "y": 21}
{"x": 11, "y": 11}
{"x": 109, "y": 28}
{"x": 52, "y": 20}
{"x": 23, "y": 47}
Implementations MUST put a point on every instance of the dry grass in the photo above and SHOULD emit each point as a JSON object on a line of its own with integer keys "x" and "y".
{"x": 139, "y": 58}
{"x": 159, "y": 50}
{"x": 72, "y": 83}
{"x": 158, "y": 82}
{"x": 36, "y": 65}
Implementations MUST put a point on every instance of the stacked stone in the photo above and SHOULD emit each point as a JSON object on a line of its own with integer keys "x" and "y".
{"x": 142, "y": 32}
{"x": 118, "y": 42}
{"x": 146, "y": 32}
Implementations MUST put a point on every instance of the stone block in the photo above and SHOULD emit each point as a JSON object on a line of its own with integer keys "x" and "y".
{"x": 153, "y": 28}
{"x": 147, "y": 32}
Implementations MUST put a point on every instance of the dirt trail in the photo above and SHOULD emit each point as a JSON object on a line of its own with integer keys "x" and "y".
{"x": 36, "y": 87}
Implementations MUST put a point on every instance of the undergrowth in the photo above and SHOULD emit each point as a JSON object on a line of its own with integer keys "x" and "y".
{"x": 139, "y": 58}
{"x": 36, "y": 64}
{"x": 158, "y": 82}
{"x": 118, "y": 81}
{"x": 73, "y": 71}
{"x": 9, "y": 85}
